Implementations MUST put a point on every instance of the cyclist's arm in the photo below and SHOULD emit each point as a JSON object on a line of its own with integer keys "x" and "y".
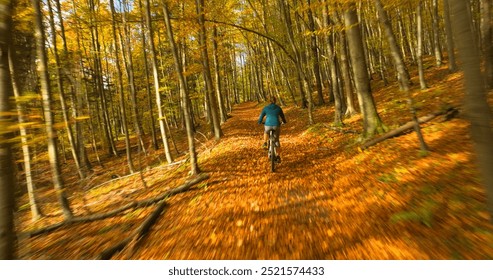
{"x": 261, "y": 117}
{"x": 283, "y": 117}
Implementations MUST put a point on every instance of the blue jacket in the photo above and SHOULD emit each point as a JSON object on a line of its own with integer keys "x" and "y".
{"x": 272, "y": 112}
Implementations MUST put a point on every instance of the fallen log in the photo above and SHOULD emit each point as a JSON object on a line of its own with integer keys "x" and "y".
{"x": 449, "y": 113}
{"x": 136, "y": 235}
{"x": 132, "y": 205}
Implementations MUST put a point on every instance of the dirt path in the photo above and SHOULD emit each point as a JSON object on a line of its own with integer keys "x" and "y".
{"x": 246, "y": 212}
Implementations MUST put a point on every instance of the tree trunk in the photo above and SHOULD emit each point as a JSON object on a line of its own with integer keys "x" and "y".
{"x": 486, "y": 41}
{"x": 401, "y": 69}
{"x": 147, "y": 81}
{"x": 345, "y": 71}
{"x": 123, "y": 111}
{"x": 7, "y": 180}
{"x": 61, "y": 89}
{"x": 315, "y": 54}
{"x": 99, "y": 87}
{"x": 403, "y": 75}
{"x": 155, "y": 74}
{"x": 129, "y": 66}
{"x": 477, "y": 109}
{"x": 76, "y": 94}
{"x": 372, "y": 123}
{"x": 437, "y": 46}
{"x": 452, "y": 66}
{"x": 286, "y": 18}
{"x": 82, "y": 92}
{"x": 185, "y": 96}
{"x": 419, "y": 51}
{"x": 48, "y": 113}
{"x": 26, "y": 150}
{"x": 216, "y": 124}
{"x": 217, "y": 74}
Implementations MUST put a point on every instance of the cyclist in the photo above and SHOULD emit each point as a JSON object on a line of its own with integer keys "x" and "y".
{"x": 272, "y": 113}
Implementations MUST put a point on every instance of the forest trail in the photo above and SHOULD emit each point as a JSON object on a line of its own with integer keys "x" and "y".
{"x": 326, "y": 200}
{"x": 247, "y": 212}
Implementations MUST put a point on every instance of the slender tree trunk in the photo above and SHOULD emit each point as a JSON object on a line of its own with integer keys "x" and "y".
{"x": 478, "y": 112}
{"x": 339, "y": 104}
{"x": 129, "y": 66}
{"x": 299, "y": 69}
{"x": 419, "y": 51}
{"x": 26, "y": 150}
{"x": 161, "y": 115}
{"x": 452, "y": 65}
{"x": 80, "y": 76}
{"x": 437, "y": 46}
{"x": 487, "y": 41}
{"x": 7, "y": 180}
{"x": 394, "y": 49}
{"x": 345, "y": 71}
{"x": 61, "y": 89}
{"x": 120, "y": 89}
{"x": 372, "y": 123}
{"x": 185, "y": 96}
{"x": 401, "y": 69}
{"x": 75, "y": 94}
{"x": 48, "y": 113}
{"x": 99, "y": 87}
{"x": 216, "y": 124}
{"x": 315, "y": 55}
{"x": 147, "y": 80}
{"x": 218, "y": 87}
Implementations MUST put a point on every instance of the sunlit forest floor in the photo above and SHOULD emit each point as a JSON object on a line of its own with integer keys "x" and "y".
{"x": 328, "y": 199}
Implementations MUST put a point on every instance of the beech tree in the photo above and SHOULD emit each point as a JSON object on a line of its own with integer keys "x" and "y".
{"x": 185, "y": 96}
{"x": 48, "y": 112}
{"x": 478, "y": 111}
{"x": 7, "y": 181}
{"x": 372, "y": 124}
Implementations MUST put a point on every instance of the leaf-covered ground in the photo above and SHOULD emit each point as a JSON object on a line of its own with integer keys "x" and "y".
{"x": 328, "y": 199}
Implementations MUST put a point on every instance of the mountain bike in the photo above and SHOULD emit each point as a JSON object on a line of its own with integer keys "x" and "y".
{"x": 271, "y": 149}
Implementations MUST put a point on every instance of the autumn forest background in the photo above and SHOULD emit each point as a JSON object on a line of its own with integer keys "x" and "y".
{"x": 128, "y": 129}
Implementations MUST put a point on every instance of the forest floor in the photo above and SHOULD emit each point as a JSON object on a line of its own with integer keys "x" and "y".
{"x": 327, "y": 200}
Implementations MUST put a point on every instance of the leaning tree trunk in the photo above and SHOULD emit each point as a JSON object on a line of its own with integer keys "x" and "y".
{"x": 401, "y": 69}
{"x": 478, "y": 112}
{"x": 372, "y": 124}
{"x": 185, "y": 96}
{"x": 48, "y": 113}
{"x": 403, "y": 75}
{"x": 155, "y": 75}
{"x": 7, "y": 180}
